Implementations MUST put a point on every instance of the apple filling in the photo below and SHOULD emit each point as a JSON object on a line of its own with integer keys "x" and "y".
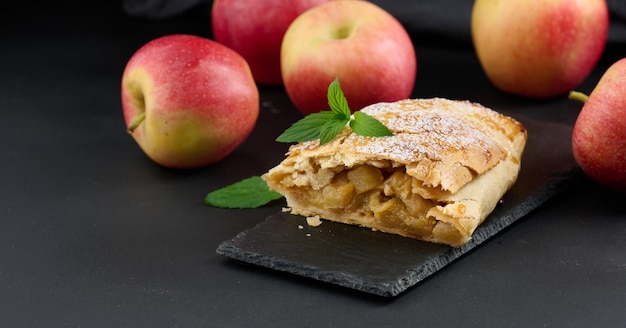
{"x": 374, "y": 196}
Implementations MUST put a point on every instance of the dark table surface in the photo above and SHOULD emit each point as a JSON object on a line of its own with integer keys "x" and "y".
{"x": 94, "y": 234}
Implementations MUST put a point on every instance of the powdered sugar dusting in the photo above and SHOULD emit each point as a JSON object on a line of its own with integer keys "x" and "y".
{"x": 429, "y": 129}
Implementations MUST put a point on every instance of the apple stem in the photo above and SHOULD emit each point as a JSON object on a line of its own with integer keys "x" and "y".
{"x": 135, "y": 122}
{"x": 576, "y": 95}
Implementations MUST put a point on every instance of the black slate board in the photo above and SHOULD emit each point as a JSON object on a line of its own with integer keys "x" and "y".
{"x": 385, "y": 264}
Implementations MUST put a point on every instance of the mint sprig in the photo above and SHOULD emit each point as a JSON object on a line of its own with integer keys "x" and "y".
{"x": 247, "y": 193}
{"x": 326, "y": 125}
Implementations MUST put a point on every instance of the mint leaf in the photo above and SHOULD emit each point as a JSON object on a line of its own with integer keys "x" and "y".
{"x": 248, "y": 193}
{"x": 368, "y": 126}
{"x": 326, "y": 125}
{"x": 307, "y": 128}
{"x": 331, "y": 129}
{"x": 337, "y": 100}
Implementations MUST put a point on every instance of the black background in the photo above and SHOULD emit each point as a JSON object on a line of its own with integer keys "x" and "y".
{"x": 94, "y": 234}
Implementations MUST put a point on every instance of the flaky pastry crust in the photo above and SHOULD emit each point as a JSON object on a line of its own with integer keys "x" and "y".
{"x": 436, "y": 179}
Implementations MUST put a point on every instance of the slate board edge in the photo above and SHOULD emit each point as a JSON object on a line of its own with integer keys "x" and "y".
{"x": 414, "y": 276}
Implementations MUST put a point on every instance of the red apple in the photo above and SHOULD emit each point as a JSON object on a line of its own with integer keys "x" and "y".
{"x": 255, "y": 30}
{"x": 188, "y": 101}
{"x": 539, "y": 48}
{"x": 356, "y": 41}
{"x": 599, "y": 137}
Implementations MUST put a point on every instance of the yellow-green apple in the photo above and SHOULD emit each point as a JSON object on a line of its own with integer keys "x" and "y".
{"x": 538, "y": 48}
{"x": 188, "y": 101}
{"x": 255, "y": 29}
{"x": 356, "y": 41}
{"x": 599, "y": 136}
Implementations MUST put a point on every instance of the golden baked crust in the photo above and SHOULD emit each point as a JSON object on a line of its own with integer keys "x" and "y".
{"x": 436, "y": 179}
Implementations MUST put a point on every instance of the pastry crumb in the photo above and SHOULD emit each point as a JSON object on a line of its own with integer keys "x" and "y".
{"x": 300, "y": 227}
{"x": 314, "y": 221}
{"x": 286, "y": 209}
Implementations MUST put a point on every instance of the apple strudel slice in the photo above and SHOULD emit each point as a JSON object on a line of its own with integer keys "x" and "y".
{"x": 436, "y": 179}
